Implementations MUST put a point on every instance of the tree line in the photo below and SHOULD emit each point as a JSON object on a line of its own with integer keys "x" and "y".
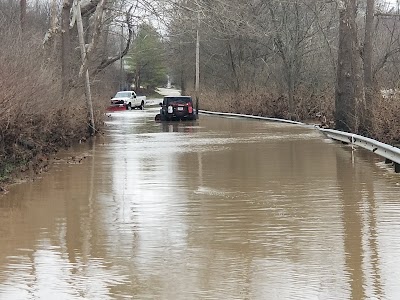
{"x": 60, "y": 62}
{"x": 302, "y": 58}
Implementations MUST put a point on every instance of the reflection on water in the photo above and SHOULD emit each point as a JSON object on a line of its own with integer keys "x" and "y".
{"x": 215, "y": 209}
{"x": 182, "y": 126}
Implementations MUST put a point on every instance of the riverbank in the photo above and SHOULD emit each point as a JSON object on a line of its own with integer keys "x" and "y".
{"x": 27, "y": 148}
{"x": 29, "y": 144}
{"x": 35, "y": 125}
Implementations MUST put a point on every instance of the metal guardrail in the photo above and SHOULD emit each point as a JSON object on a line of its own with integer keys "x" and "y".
{"x": 249, "y": 117}
{"x": 391, "y": 153}
{"x": 387, "y": 151}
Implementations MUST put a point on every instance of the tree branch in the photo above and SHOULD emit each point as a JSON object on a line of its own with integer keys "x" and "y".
{"x": 89, "y": 7}
{"x": 383, "y": 60}
{"x": 97, "y": 29}
{"x": 381, "y": 14}
{"x": 106, "y": 62}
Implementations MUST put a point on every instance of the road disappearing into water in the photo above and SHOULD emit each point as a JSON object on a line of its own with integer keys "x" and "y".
{"x": 221, "y": 208}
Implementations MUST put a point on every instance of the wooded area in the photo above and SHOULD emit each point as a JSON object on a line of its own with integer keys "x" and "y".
{"x": 302, "y": 59}
{"x": 58, "y": 70}
{"x": 297, "y": 60}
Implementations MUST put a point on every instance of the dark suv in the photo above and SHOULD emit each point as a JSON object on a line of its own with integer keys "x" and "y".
{"x": 177, "y": 108}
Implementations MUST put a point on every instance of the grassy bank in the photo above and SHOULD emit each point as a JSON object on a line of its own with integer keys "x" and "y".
{"x": 35, "y": 121}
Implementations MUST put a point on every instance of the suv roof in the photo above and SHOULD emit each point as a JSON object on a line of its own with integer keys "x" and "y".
{"x": 177, "y": 96}
{"x": 176, "y": 100}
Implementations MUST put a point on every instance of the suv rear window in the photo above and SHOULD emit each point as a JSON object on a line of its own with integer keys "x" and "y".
{"x": 177, "y": 100}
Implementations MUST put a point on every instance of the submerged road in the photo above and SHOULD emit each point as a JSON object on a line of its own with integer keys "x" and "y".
{"x": 218, "y": 209}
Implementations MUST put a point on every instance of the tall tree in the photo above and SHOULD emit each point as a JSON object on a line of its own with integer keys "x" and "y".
{"x": 367, "y": 60}
{"x": 22, "y": 16}
{"x": 349, "y": 88}
{"x": 65, "y": 47}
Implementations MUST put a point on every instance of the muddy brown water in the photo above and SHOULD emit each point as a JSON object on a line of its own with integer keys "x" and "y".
{"x": 219, "y": 209}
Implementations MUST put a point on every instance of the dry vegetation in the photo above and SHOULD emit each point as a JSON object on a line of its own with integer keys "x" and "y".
{"x": 269, "y": 104}
{"x": 287, "y": 61}
{"x": 386, "y": 120}
{"x": 59, "y": 66}
{"x": 311, "y": 108}
{"x": 385, "y": 117}
{"x": 34, "y": 119}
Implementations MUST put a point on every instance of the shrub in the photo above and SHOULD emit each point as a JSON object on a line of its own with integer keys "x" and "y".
{"x": 262, "y": 102}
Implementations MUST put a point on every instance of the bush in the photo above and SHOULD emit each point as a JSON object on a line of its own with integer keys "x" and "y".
{"x": 34, "y": 119}
{"x": 386, "y": 120}
{"x": 267, "y": 103}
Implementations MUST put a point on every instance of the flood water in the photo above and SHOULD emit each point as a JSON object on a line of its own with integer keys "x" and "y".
{"x": 219, "y": 209}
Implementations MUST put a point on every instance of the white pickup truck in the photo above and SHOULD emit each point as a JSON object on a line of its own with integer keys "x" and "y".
{"x": 128, "y": 99}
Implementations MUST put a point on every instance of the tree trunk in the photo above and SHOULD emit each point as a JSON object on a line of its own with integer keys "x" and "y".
{"x": 235, "y": 79}
{"x": 349, "y": 88}
{"x": 290, "y": 84}
{"x": 197, "y": 82}
{"x": 53, "y": 27}
{"x": 22, "y": 16}
{"x": 182, "y": 69}
{"x": 183, "y": 84}
{"x": 65, "y": 47}
{"x": 105, "y": 35}
{"x": 137, "y": 80}
{"x": 53, "y": 15}
{"x": 367, "y": 59}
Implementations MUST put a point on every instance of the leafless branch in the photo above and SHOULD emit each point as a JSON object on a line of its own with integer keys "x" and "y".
{"x": 106, "y": 62}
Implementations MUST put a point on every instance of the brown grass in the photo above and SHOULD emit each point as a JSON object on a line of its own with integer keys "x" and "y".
{"x": 386, "y": 120}
{"x": 310, "y": 107}
{"x": 269, "y": 104}
{"x": 34, "y": 119}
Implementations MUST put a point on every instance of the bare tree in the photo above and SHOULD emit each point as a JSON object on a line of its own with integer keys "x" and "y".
{"x": 367, "y": 60}
{"x": 22, "y": 14}
{"x": 65, "y": 47}
{"x": 349, "y": 89}
{"x": 84, "y": 57}
{"x": 260, "y": 44}
{"x": 109, "y": 60}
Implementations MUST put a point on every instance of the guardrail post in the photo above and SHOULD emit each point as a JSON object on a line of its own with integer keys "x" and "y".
{"x": 388, "y": 161}
{"x": 396, "y": 168}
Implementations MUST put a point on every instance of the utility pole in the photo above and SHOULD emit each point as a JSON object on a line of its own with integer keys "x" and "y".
{"x": 197, "y": 88}
{"x": 121, "y": 81}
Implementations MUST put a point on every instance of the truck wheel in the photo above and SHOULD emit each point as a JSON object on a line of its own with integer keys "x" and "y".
{"x": 129, "y": 106}
{"x": 141, "y": 106}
